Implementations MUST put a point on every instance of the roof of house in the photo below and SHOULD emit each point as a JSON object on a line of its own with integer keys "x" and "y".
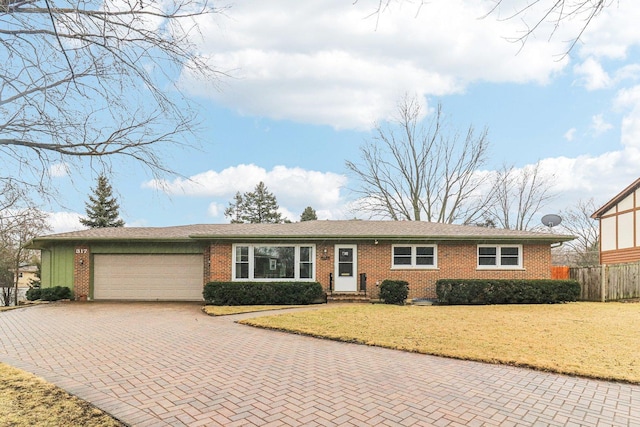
{"x": 618, "y": 198}
{"x": 306, "y": 230}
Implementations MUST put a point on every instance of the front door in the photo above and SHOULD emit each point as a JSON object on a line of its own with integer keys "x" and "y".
{"x": 346, "y": 266}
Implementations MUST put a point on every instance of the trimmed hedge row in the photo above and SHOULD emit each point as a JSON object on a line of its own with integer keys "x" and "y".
{"x": 54, "y": 293}
{"x": 394, "y": 291}
{"x": 262, "y": 293}
{"x": 462, "y": 291}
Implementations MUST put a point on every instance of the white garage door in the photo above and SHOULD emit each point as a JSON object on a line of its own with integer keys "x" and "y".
{"x": 148, "y": 277}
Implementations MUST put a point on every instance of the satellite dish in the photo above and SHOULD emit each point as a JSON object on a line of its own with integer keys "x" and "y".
{"x": 551, "y": 220}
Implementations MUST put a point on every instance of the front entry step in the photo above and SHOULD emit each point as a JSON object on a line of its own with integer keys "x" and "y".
{"x": 348, "y": 297}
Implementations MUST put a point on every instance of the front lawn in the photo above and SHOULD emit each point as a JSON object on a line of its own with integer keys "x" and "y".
{"x": 227, "y": 310}
{"x": 27, "y": 401}
{"x": 599, "y": 340}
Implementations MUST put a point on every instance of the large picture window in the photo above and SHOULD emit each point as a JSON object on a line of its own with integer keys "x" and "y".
{"x": 414, "y": 256}
{"x": 500, "y": 256}
{"x": 273, "y": 262}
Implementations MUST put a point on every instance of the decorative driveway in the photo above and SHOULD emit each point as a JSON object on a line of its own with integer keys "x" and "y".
{"x": 169, "y": 364}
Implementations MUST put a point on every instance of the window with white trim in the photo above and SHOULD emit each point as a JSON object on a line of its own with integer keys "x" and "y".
{"x": 414, "y": 256}
{"x": 500, "y": 256}
{"x": 273, "y": 262}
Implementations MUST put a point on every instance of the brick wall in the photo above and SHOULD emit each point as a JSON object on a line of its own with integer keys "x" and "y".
{"x": 455, "y": 261}
{"x": 220, "y": 257}
{"x": 324, "y": 264}
{"x": 81, "y": 272}
{"x": 207, "y": 265}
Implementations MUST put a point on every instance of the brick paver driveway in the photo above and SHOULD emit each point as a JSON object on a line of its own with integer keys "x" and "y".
{"x": 169, "y": 364}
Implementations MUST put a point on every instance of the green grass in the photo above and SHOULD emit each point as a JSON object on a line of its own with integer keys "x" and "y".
{"x": 598, "y": 340}
{"x": 27, "y": 401}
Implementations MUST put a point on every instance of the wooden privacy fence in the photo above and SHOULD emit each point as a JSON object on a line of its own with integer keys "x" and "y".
{"x": 608, "y": 282}
{"x": 560, "y": 272}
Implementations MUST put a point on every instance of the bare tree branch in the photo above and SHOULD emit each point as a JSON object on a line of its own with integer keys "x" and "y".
{"x": 96, "y": 79}
{"x": 412, "y": 172}
{"x": 584, "y": 249}
{"x": 519, "y": 196}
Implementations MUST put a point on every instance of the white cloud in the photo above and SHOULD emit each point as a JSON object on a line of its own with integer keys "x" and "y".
{"x": 215, "y": 210}
{"x": 570, "y": 134}
{"x": 59, "y": 170}
{"x": 599, "y": 125}
{"x": 612, "y": 33}
{"x": 327, "y": 63}
{"x": 294, "y": 188}
{"x": 62, "y": 222}
{"x": 211, "y": 183}
{"x": 629, "y": 99}
{"x": 593, "y": 76}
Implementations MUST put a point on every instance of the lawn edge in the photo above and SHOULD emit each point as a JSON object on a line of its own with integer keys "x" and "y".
{"x": 251, "y": 311}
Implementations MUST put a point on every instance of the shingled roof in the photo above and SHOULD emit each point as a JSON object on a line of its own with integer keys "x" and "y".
{"x": 306, "y": 230}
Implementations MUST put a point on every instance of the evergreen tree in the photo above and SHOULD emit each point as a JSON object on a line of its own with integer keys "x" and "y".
{"x": 257, "y": 206}
{"x": 235, "y": 209}
{"x": 102, "y": 208}
{"x": 309, "y": 214}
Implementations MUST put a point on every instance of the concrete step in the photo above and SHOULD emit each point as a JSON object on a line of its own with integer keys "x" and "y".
{"x": 348, "y": 297}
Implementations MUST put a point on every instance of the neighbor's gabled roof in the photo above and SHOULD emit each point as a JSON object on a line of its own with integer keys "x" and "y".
{"x": 307, "y": 230}
{"x": 617, "y": 199}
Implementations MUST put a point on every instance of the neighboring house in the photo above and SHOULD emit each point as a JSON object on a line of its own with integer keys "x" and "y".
{"x": 620, "y": 226}
{"x": 26, "y": 274}
{"x": 173, "y": 263}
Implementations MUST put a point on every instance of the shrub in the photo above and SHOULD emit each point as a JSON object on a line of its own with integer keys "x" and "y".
{"x": 33, "y": 294}
{"x": 462, "y": 291}
{"x": 394, "y": 291}
{"x": 259, "y": 293}
{"x": 55, "y": 293}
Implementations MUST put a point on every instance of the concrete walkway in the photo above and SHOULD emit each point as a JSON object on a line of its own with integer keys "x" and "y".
{"x": 169, "y": 364}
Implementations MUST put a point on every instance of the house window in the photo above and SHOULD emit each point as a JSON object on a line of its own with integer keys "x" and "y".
{"x": 242, "y": 262}
{"x": 414, "y": 256}
{"x": 500, "y": 256}
{"x": 273, "y": 262}
{"x": 306, "y": 262}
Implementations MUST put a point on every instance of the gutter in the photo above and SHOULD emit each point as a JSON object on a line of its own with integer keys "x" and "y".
{"x": 245, "y": 237}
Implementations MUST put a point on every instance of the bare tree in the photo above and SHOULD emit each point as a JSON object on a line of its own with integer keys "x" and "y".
{"x": 413, "y": 171}
{"x": 519, "y": 194}
{"x": 6, "y": 279}
{"x": 577, "y": 221}
{"x": 17, "y": 228}
{"x": 94, "y": 79}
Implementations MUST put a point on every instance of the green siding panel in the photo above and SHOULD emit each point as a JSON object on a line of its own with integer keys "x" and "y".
{"x": 57, "y": 266}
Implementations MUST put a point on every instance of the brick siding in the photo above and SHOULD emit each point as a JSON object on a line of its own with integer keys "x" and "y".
{"x": 455, "y": 261}
{"x": 81, "y": 272}
{"x": 220, "y": 256}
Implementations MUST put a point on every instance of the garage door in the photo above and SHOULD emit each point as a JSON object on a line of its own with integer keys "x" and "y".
{"x": 148, "y": 277}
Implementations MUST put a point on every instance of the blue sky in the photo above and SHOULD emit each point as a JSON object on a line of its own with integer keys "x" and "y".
{"x": 307, "y": 82}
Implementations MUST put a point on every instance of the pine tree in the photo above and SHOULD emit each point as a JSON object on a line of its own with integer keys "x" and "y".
{"x": 309, "y": 214}
{"x": 235, "y": 209}
{"x": 257, "y": 206}
{"x": 102, "y": 208}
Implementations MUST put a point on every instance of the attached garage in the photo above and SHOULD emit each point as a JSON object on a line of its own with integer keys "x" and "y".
{"x": 148, "y": 277}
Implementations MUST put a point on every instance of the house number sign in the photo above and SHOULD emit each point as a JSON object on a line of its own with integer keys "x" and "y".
{"x": 82, "y": 251}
